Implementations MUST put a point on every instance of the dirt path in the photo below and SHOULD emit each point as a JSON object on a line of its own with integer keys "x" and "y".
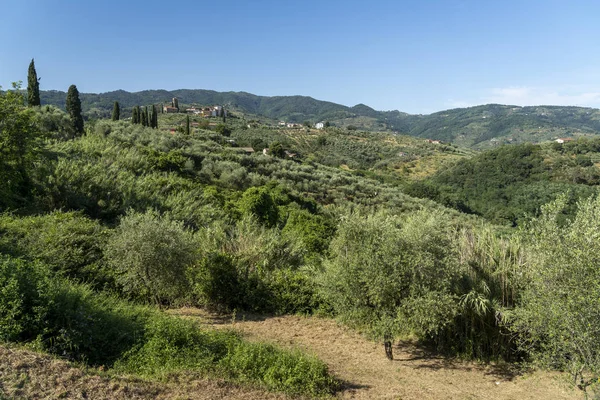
{"x": 369, "y": 375}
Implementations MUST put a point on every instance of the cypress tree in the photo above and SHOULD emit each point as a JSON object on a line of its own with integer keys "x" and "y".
{"x": 116, "y": 111}
{"x": 144, "y": 119}
{"x": 154, "y": 117}
{"x": 33, "y": 86}
{"x": 74, "y": 109}
{"x": 187, "y": 125}
{"x": 135, "y": 116}
{"x": 147, "y": 116}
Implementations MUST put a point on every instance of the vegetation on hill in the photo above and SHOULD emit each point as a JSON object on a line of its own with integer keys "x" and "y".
{"x": 479, "y": 127}
{"x": 101, "y": 230}
{"x": 508, "y": 185}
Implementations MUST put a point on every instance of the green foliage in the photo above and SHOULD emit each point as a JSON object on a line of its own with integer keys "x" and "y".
{"x": 73, "y": 106}
{"x": 33, "y": 86}
{"x": 259, "y": 203}
{"x": 509, "y": 184}
{"x": 558, "y": 319}
{"x": 24, "y": 299}
{"x": 18, "y": 147}
{"x": 54, "y": 123}
{"x": 116, "y": 111}
{"x": 223, "y": 129}
{"x": 68, "y": 243}
{"x": 382, "y": 266}
{"x": 135, "y": 115}
{"x": 276, "y": 149}
{"x": 173, "y": 345}
{"x": 149, "y": 254}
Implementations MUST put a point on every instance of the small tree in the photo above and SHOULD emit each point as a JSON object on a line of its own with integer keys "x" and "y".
{"x": 74, "y": 109}
{"x": 116, "y": 111}
{"x": 33, "y": 86}
{"x": 276, "y": 150}
{"x": 150, "y": 254}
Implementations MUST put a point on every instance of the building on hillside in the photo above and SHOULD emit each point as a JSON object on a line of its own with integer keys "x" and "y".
{"x": 432, "y": 141}
{"x": 320, "y": 125}
{"x": 170, "y": 109}
{"x": 563, "y": 140}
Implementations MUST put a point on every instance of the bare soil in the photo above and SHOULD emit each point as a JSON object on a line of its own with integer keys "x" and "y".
{"x": 413, "y": 374}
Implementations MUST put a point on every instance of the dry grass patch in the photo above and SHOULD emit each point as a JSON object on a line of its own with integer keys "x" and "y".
{"x": 414, "y": 373}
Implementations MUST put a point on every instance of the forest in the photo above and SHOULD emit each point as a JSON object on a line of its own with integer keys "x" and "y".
{"x": 489, "y": 256}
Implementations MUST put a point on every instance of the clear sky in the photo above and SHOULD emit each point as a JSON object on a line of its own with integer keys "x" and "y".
{"x": 415, "y": 56}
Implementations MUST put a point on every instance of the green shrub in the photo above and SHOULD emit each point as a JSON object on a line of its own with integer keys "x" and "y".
{"x": 287, "y": 371}
{"x": 150, "y": 254}
{"x": 93, "y": 327}
{"x": 25, "y": 299}
{"x": 69, "y": 243}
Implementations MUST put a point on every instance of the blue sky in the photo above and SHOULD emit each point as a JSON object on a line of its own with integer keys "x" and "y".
{"x": 413, "y": 56}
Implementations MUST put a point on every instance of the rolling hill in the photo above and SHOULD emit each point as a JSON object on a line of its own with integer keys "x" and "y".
{"x": 477, "y": 127}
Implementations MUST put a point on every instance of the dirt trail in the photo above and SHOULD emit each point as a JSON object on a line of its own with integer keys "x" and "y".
{"x": 367, "y": 373}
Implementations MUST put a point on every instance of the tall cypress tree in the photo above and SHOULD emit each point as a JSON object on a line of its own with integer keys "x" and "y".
{"x": 74, "y": 109}
{"x": 33, "y": 86}
{"x": 147, "y": 116}
{"x": 187, "y": 125}
{"x": 116, "y": 111}
{"x": 154, "y": 117}
{"x": 144, "y": 119}
{"x": 135, "y": 115}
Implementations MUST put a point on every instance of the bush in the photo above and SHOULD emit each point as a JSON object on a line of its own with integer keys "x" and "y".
{"x": 25, "y": 299}
{"x": 69, "y": 243}
{"x": 150, "y": 254}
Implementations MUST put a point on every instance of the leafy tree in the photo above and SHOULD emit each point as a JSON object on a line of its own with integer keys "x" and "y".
{"x": 223, "y": 130}
{"x": 33, "y": 86}
{"x": 18, "y": 139}
{"x": 116, "y": 111}
{"x": 558, "y": 320}
{"x": 150, "y": 254}
{"x": 74, "y": 109}
{"x": 259, "y": 203}
{"x": 276, "y": 149}
{"x": 391, "y": 275}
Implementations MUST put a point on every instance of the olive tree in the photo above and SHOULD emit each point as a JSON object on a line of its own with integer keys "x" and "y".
{"x": 150, "y": 254}
{"x": 558, "y": 320}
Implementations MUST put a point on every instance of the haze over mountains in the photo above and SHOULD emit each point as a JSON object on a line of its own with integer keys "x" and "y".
{"x": 477, "y": 127}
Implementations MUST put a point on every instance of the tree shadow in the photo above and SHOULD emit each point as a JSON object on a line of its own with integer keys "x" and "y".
{"x": 422, "y": 357}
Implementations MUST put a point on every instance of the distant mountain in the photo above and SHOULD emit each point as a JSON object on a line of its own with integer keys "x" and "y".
{"x": 476, "y": 127}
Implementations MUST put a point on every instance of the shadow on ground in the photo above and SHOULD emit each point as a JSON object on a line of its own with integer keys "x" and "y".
{"x": 419, "y": 357}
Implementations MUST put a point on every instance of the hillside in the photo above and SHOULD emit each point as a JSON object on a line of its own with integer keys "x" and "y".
{"x": 509, "y": 184}
{"x": 476, "y": 127}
